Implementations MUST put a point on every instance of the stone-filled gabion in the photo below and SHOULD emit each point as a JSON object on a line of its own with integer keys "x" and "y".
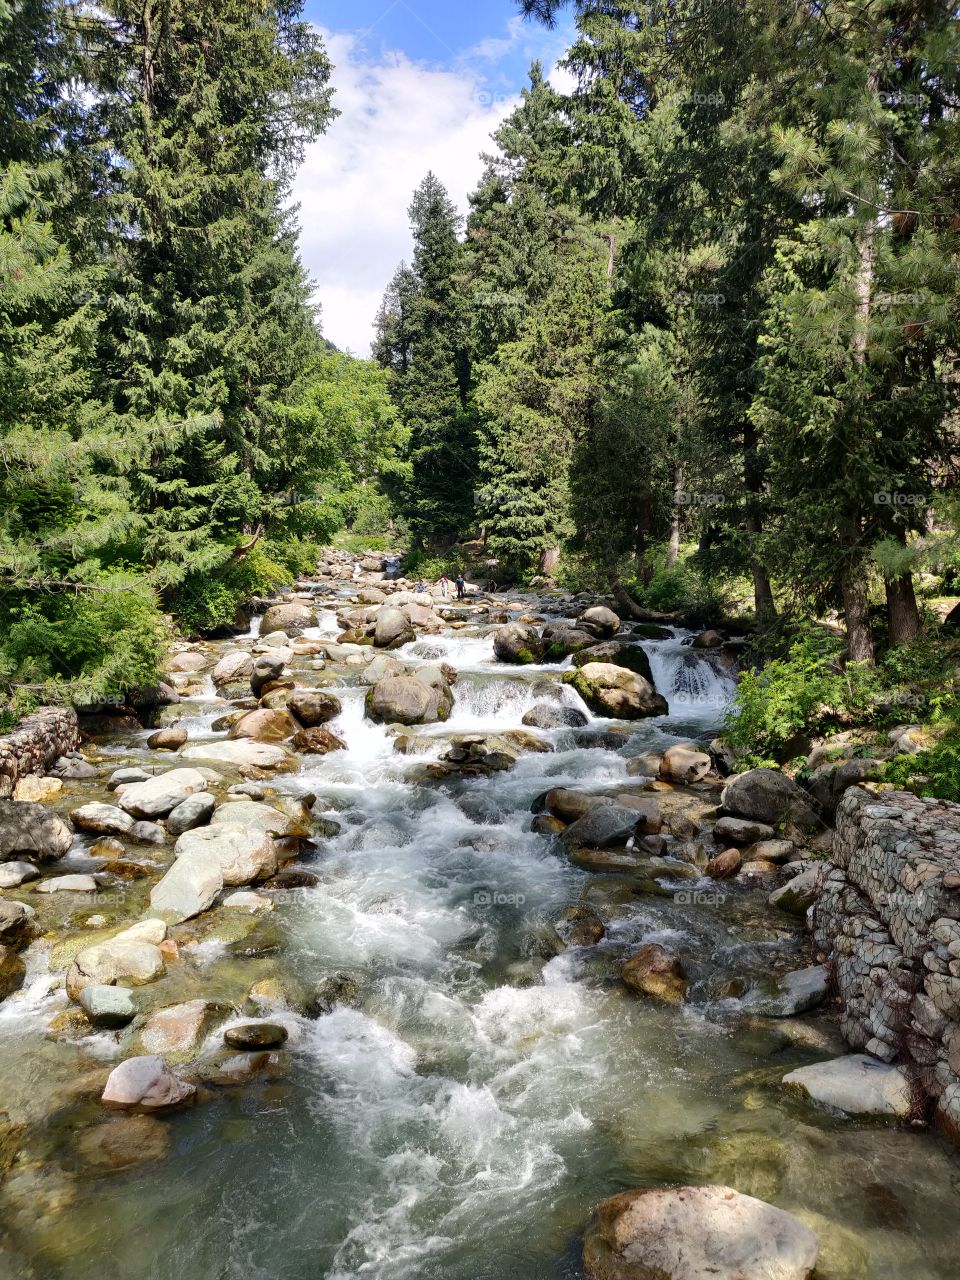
{"x": 888, "y": 919}
{"x": 35, "y": 743}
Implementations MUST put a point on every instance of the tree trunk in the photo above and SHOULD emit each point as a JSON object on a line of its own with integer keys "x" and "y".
{"x": 903, "y": 615}
{"x": 857, "y": 614}
{"x": 673, "y": 549}
{"x": 763, "y": 604}
{"x": 549, "y": 559}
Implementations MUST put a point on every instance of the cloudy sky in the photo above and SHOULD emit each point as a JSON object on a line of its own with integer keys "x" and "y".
{"x": 420, "y": 86}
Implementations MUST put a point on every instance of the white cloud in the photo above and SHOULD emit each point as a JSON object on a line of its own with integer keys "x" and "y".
{"x": 399, "y": 119}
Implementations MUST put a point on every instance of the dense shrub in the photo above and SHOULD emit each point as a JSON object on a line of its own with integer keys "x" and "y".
{"x": 213, "y": 601}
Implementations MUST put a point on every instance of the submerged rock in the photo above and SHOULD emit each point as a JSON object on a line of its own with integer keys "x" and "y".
{"x": 656, "y": 971}
{"x": 123, "y": 1143}
{"x": 255, "y": 1035}
{"x": 790, "y": 994}
{"x": 691, "y": 1233}
{"x": 243, "y": 752}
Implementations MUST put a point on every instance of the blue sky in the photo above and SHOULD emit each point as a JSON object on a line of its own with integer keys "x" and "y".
{"x": 420, "y": 84}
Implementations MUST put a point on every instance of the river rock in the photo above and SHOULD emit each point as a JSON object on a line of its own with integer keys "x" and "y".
{"x": 561, "y": 640}
{"x": 620, "y": 654}
{"x": 14, "y": 874}
{"x": 684, "y": 762}
{"x": 161, "y": 794}
{"x": 393, "y": 628}
{"x": 12, "y": 971}
{"x": 601, "y": 827}
{"x": 382, "y": 667}
{"x": 74, "y": 768}
{"x": 195, "y": 811}
{"x": 132, "y": 957}
{"x": 188, "y": 662}
{"x": 102, "y": 819}
{"x": 232, "y": 667}
{"x": 37, "y": 790}
{"x": 568, "y": 805}
{"x": 312, "y": 707}
{"x": 147, "y": 833}
{"x": 178, "y": 1030}
{"x": 318, "y": 741}
{"x": 724, "y": 865}
{"x": 656, "y": 971}
{"x": 188, "y": 888}
{"x": 600, "y": 620}
{"x": 856, "y": 1084}
{"x": 614, "y": 691}
{"x": 517, "y": 643}
{"x": 545, "y": 715}
{"x": 579, "y": 926}
{"x": 244, "y": 854}
{"x": 252, "y": 815}
{"x": 76, "y": 883}
{"x": 268, "y": 668}
{"x": 146, "y": 1083}
{"x": 799, "y": 893}
{"x": 17, "y": 928}
{"x": 406, "y": 700}
{"x": 255, "y": 1035}
{"x": 291, "y": 618}
{"x": 243, "y": 752}
{"x": 831, "y": 780}
{"x": 263, "y": 725}
{"x": 771, "y": 797}
{"x": 790, "y": 993}
{"x": 692, "y": 1233}
{"x": 170, "y": 738}
{"x": 741, "y": 831}
{"x": 28, "y": 829}
{"x": 122, "y": 777}
{"x": 108, "y": 1006}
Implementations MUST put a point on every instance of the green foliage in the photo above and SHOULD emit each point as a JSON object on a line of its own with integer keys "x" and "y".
{"x": 683, "y": 586}
{"x": 88, "y": 648}
{"x": 214, "y": 601}
{"x": 422, "y": 564}
{"x": 935, "y": 771}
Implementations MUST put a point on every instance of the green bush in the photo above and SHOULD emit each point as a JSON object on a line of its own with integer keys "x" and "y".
{"x": 682, "y": 587}
{"x": 936, "y": 771}
{"x": 88, "y": 647}
{"x": 213, "y": 601}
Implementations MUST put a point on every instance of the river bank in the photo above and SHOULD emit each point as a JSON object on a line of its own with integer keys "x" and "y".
{"x": 503, "y": 980}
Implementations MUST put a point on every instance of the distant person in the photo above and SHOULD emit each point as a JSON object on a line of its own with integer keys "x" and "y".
{"x": 443, "y": 582}
{"x": 356, "y": 570}
{"x": 461, "y": 586}
{"x": 421, "y": 586}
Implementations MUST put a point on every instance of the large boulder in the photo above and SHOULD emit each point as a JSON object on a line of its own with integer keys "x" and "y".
{"x": 146, "y": 1083}
{"x": 601, "y": 827}
{"x": 798, "y": 894}
{"x": 548, "y": 715}
{"x": 599, "y": 620}
{"x": 16, "y": 924}
{"x": 407, "y": 700}
{"x": 243, "y": 752}
{"x": 291, "y": 618}
{"x": 560, "y": 640}
{"x": 691, "y": 1233}
{"x": 393, "y": 628}
{"x": 160, "y": 795}
{"x": 264, "y": 725}
{"x": 769, "y": 796}
{"x": 318, "y": 741}
{"x": 741, "y": 831}
{"x": 188, "y": 888}
{"x": 311, "y": 707}
{"x": 856, "y": 1084}
{"x": 517, "y": 643}
{"x": 232, "y": 667}
{"x": 614, "y": 691}
{"x": 268, "y": 667}
{"x": 243, "y": 853}
{"x": 620, "y": 654}
{"x": 32, "y": 831}
{"x": 195, "y": 811}
{"x": 381, "y": 668}
{"x": 830, "y": 780}
{"x": 255, "y": 816}
{"x": 132, "y": 958}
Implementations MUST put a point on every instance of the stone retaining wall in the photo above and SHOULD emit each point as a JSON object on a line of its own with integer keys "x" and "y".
{"x": 888, "y": 920}
{"x": 35, "y": 743}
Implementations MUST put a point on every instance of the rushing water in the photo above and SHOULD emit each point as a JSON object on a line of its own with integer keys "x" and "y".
{"x": 460, "y": 1121}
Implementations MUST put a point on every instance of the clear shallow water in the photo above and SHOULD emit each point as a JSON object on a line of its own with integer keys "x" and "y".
{"x": 462, "y": 1121}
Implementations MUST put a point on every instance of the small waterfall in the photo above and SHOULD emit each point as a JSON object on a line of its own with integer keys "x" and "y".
{"x": 693, "y": 682}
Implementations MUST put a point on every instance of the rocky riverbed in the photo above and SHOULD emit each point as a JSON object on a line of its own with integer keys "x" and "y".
{"x": 416, "y": 938}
